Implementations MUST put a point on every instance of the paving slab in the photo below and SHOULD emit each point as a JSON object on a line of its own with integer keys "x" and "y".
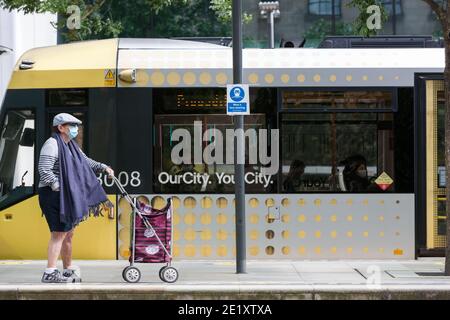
{"x": 218, "y": 280}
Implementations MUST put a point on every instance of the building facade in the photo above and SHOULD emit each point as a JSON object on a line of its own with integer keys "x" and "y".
{"x": 311, "y": 19}
{"x": 19, "y": 33}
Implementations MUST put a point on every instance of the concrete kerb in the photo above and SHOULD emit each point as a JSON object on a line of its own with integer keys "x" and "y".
{"x": 223, "y": 292}
{"x": 390, "y": 292}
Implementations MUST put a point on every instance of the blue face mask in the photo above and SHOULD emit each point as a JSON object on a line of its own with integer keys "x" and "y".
{"x": 73, "y": 132}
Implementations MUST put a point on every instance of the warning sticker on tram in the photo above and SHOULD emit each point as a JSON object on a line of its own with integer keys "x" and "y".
{"x": 110, "y": 77}
{"x": 384, "y": 181}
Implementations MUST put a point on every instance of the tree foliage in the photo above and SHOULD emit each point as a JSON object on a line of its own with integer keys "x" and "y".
{"x": 137, "y": 18}
{"x": 321, "y": 28}
{"x": 223, "y": 11}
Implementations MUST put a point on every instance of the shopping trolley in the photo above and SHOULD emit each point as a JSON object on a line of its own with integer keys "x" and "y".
{"x": 151, "y": 238}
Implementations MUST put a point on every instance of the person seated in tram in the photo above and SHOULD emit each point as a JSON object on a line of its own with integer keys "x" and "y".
{"x": 355, "y": 174}
{"x": 293, "y": 180}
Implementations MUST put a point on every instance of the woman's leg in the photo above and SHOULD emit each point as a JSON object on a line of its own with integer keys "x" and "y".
{"x": 66, "y": 250}
{"x": 54, "y": 248}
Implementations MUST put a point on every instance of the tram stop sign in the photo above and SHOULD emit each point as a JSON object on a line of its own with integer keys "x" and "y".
{"x": 238, "y": 102}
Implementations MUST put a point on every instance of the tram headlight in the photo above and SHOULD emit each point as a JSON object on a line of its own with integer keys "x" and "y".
{"x": 128, "y": 75}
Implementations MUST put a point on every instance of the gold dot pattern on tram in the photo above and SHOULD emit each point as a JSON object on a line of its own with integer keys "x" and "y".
{"x": 205, "y": 78}
{"x": 254, "y": 218}
{"x": 206, "y": 202}
{"x": 254, "y": 203}
{"x": 189, "y": 219}
{"x": 269, "y": 78}
{"x": 189, "y": 78}
{"x": 206, "y": 250}
{"x": 222, "y": 203}
{"x": 173, "y": 78}
{"x": 157, "y": 78}
{"x": 205, "y": 219}
{"x": 221, "y": 78}
{"x": 198, "y": 221}
{"x": 301, "y": 78}
{"x": 285, "y": 78}
{"x": 253, "y": 78}
{"x": 254, "y": 251}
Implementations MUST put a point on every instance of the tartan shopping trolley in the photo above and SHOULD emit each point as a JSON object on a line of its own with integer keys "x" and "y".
{"x": 151, "y": 238}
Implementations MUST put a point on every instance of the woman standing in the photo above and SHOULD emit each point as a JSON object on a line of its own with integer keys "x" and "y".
{"x": 68, "y": 192}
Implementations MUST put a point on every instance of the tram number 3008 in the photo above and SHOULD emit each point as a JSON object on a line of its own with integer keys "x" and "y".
{"x": 126, "y": 179}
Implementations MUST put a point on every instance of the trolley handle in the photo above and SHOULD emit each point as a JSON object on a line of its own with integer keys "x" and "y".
{"x": 123, "y": 192}
{"x": 120, "y": 186}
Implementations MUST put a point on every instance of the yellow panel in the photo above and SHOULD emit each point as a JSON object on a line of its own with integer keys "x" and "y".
{"x": 434, "y": 240}
{"x": 26, "y": 235}
{"x": 81, "y": 64}
{"x": 430, "y": 110}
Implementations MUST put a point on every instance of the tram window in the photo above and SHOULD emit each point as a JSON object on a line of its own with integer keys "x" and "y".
{"x": 191, "y": 176}
{"x": 323, "y": 152}
{"x": 67, "y": 97}
{"x": 17, "y": 157}
{"x": 179, "y": 109}
{"x": 209, "y": 100}
{"x": 192, "y": 100}
{"x": 337, "y": 100}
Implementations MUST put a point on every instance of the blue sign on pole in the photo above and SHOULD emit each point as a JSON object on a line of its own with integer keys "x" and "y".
{"x": 238, "y": 102}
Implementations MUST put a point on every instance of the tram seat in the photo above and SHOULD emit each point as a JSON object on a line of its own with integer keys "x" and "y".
{"x": 341, "y": 181}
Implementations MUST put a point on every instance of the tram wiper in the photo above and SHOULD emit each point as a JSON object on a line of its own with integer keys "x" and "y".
{"x": 23, "y": 181}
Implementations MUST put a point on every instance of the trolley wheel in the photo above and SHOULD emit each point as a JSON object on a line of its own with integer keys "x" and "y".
{"x": 169, "y": 274}
{"x": 161, "y": 271}
{"x": 131, "y": 274}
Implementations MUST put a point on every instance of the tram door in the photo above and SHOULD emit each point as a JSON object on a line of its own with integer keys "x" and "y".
{"x": 435, "y": 203}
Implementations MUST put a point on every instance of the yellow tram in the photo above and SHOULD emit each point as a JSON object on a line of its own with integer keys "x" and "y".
{"x": 327, "y": 104}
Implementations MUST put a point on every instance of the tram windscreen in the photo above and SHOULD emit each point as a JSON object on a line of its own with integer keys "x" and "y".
{"x": 17, "y": 156}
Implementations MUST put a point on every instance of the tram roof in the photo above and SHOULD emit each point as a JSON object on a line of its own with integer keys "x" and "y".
{"x": 181, "y": 63}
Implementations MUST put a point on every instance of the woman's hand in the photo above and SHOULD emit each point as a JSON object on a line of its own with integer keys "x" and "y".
{"x": 110, "y": 172}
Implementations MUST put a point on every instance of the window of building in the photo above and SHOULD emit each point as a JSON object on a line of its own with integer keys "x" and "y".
{"x": 388, "y": 5}
{"x": 324, "y": 7}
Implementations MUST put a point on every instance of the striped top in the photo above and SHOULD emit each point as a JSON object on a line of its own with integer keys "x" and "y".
{"x": 49, "y": 165}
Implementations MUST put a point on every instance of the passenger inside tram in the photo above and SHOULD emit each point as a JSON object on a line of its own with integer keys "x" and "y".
{"x": 355, "y": 174}
{"x": 293, "y": 181}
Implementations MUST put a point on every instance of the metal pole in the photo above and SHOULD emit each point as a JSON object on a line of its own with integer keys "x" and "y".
{"x": 333, "y": 17}
{"x": 394, "y": 17}
{"x": 271, "y": 19}
{"x": 239, "y": 151}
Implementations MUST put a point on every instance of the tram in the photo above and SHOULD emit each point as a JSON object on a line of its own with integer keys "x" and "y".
{"x": 382, "y": 107}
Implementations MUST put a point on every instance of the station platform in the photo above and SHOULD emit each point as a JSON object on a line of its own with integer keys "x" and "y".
{"x": 268, "y": 280}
